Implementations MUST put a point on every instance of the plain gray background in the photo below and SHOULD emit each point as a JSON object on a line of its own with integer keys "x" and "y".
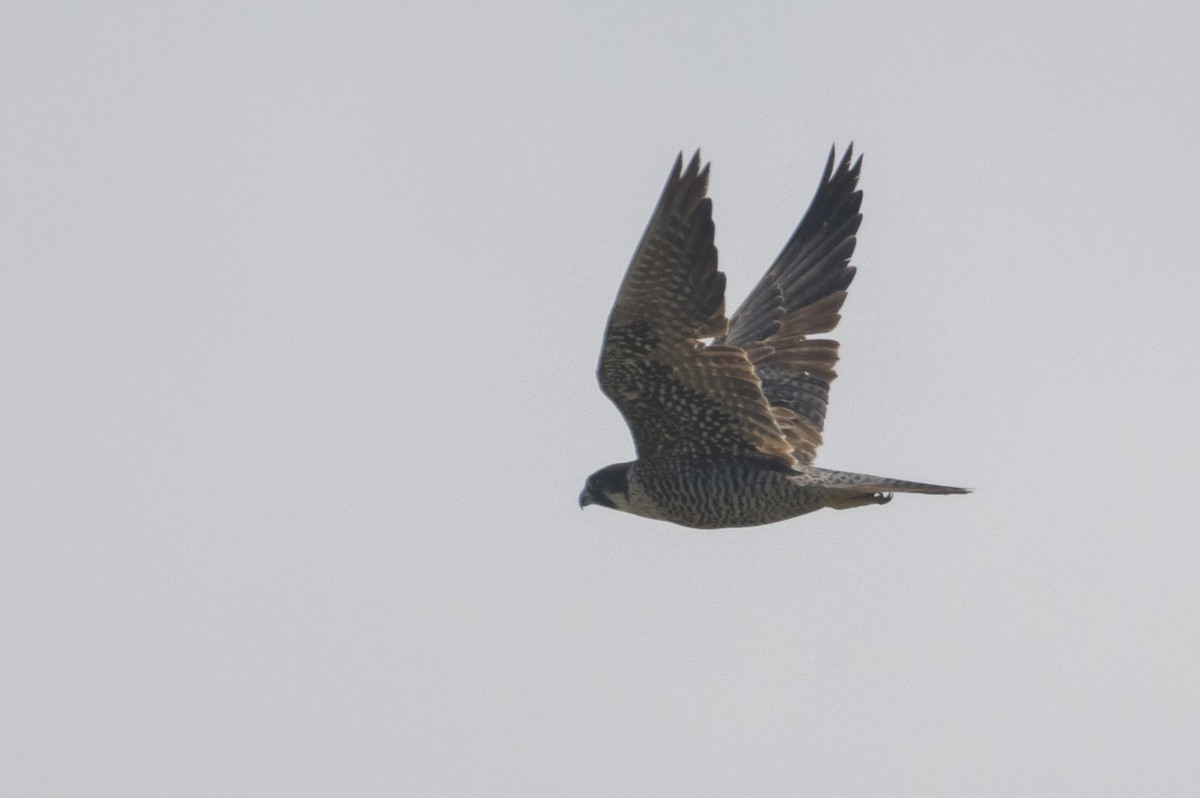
{"x": 301, "y": 308}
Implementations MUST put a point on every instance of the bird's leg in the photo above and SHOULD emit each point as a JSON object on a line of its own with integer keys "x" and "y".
{"x": 846, "y": 500}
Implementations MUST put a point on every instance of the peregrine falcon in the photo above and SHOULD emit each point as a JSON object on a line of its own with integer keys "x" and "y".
{"x": 726, "y": 413}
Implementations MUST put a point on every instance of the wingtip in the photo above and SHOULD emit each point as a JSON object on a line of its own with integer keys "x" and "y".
{"x": 829, "y": 163}
{"x": 693, "y": 166}
{"x": 677, "y": 167}
{"x": 856, "y": 167}
{"x": 847, "y": 163}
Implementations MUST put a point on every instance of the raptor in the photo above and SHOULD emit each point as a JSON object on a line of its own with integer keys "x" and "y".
{"x": 727, "y": 413}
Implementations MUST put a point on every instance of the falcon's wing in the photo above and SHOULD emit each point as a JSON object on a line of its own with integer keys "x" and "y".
{"x": 800, "y": 295}
{"x": 683, "y": 399}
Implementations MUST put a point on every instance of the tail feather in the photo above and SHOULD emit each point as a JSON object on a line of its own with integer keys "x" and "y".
{"x": 866, "y": 483}
{"x": 904, "y": 486}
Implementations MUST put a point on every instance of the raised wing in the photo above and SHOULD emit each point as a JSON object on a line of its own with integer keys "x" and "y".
{"x": 683, "y": 399}
{"x": 801, "y": 295}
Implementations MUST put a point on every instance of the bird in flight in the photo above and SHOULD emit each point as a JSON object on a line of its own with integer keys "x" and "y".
{"x": 726, "y": 413}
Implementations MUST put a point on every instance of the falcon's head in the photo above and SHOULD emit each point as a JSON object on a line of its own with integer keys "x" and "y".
{"x": 608, "y": 487}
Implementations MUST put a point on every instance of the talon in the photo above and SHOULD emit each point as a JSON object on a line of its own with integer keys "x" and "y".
{"x": 883, "y": 498}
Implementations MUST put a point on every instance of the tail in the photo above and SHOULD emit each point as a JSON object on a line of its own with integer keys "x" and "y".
{"x": 855, "y": 490}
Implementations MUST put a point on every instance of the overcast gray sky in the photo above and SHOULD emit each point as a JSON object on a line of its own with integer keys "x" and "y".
{"x": 301, "y": 305}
